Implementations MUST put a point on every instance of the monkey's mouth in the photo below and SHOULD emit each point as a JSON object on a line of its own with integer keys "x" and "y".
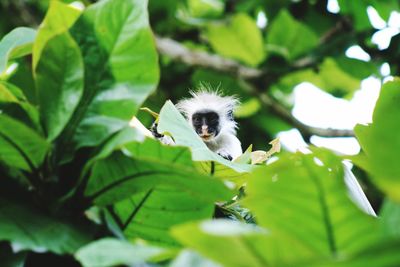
{"x": 206, "y": 137}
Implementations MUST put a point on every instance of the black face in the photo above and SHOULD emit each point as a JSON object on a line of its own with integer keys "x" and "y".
{"x": 206, "y": 124}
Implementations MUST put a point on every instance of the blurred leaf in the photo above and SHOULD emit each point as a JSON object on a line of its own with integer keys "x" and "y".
{"x": 59, "y": 18}
{"x": 205, "y": 8}
{"x": 10, "y": 259}
{"x": 28, "y": 229}
{"x": 289, "y": 38}
{"x": 390, "y": 218}
{"x": 308, "y": 190}
{"x": 16, "y": 44}
{"x": 20, "y": 146}
{"x": 382, "y": 254}
{"x": 380, "y": 141}
{"x": 248, "y": 108}
{"x": 339, "y": 76}
{"x": 111, "y": 252}
{"x": 337, "y": 80}
{"x": 358, "y": 11}
{"x": 240, "y": 39}
{"x": 190, "y": 258}
{"x": 357, "y": 68}
{"x": 385, "y": 8}
{"x": 228, "y": 242}
{"x": 116, "y": 48}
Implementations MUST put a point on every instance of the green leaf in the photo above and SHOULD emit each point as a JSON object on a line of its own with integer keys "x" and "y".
{"x": 10, "y": 259}
{"x": 112, "y": 252}
{"x": 160, "y": 187}
{"x": 151, "y": 214}
{"x": 116, "y": 47}
{"x": 385, "y": 8}
{"x": 14, "y": 104}
{"x": 248, "y": 108}
{"x": 20, "y": 146}
{"x": 380, "y": 141}
{"x": 59, "y": 18}
{"x": 358, "y": 11}
{"x": 390, "y": 218}
{"x": 205, "y": 8}
{"x": 230, "y": 243}
{"x": 240, "y": 39}
{"x": 16, "y": 44}
{"x": 290, "y": 38}
{"x": 382, "y": 254}
{"x": 149, "y": 164}
{"x": 336, "y": 79}
{"x": 28, "y": 229}
{"x": 190, "y": 258}
{"x": 59, "y": 82}
{"x": 309, "y": 191}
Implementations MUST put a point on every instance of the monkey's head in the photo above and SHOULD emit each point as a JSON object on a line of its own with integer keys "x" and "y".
{"x": 209, "y": 113}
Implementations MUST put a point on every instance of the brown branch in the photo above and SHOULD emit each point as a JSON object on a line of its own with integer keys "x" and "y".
{"x": 180, "y": 53}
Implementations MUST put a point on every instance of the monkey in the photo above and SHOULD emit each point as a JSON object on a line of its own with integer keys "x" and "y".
{"x": 211, "y": 117}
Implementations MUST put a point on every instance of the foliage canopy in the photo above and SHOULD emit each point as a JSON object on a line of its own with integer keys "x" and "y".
{"x": 80, "y": 187}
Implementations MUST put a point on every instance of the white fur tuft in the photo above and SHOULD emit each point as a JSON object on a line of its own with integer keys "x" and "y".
{"x": 207, "y": 99}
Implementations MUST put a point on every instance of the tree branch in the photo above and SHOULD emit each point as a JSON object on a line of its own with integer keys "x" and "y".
{"x": 180, "y": 53}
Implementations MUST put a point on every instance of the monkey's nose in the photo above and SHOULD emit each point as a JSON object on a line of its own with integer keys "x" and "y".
{"x": 204, "y": 129}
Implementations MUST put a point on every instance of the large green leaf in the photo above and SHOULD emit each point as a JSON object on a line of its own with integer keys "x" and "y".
{"x": 382, "y": 254}
{"x": 28, "y": 229}
{"x": 308, "y": 199}
{"x": 290, "y": 38}
{"x": 173, "y": 123}
{"x": 121, "y": 70}
{"x": 16, "y": 44}
{"x": 149, "y": 164}
{"x": 20, "y": 146}
{"x": 160, "y": 187}
{"x": 59, "y": 82}
{"x": 302, "y": 202}
{"x": 151, "y": 214}
{"x": 59, "y": 18}
{"x": 240, "y": 39}
{"x": 380, "y": 141}
{"x": 230, "y": 243}
{"x": 112, "y": 252}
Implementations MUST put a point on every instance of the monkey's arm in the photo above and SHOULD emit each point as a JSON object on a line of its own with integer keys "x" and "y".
{"x": 163, "y": 138}
{"x": 229, "y": 147}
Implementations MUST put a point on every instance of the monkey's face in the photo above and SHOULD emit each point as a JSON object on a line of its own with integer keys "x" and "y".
{"x": 206, "y": 124}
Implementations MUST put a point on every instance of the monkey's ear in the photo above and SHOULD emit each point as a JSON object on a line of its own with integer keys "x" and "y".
{"x": 229, "y": 114}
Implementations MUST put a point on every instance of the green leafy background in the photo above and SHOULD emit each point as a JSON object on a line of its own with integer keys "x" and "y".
{"x": 79, "y": 186}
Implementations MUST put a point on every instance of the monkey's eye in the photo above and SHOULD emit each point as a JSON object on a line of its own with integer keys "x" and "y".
{"x": 196, "y": 119}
